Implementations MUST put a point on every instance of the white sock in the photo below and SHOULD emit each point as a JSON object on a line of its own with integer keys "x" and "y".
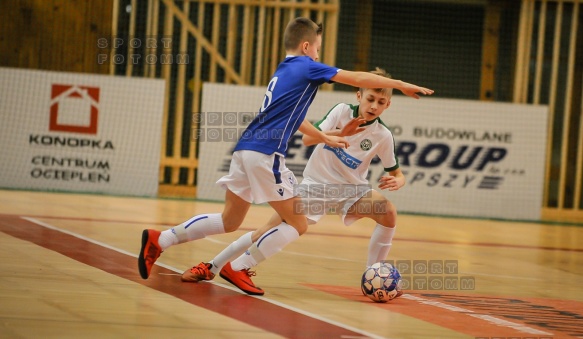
{"x": 194, "y": 228}
{"x": 235, "y": 249}
{"x": 269, "y": 244}
{"x": 380, "y": 243}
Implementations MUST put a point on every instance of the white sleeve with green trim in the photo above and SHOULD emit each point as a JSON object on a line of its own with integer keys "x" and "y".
{"x": 331, "y": 120}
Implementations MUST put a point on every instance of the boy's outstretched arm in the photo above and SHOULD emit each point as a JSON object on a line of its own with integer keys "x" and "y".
{"x": 369, "y": 80}
{"x": 320, "y": 137}
{"x": 353, "y": 127}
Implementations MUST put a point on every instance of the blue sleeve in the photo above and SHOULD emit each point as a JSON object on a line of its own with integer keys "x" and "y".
{"x": 321, "y": 73}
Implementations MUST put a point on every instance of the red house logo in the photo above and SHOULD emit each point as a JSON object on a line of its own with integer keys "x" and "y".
{"x": 74, "y": 109}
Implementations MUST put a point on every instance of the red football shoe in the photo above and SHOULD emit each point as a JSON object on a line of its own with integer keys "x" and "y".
{"x": 198, "y": 273}
{"x": 241, "y": 279}
{"x": 149, "y": 252}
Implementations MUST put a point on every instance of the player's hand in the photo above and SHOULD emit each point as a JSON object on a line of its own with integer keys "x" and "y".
{"x": 389, "y": 182}
{"x": 353, "y": 127}
{"x": 335, "y": 141}
{"x": 414, "y": 90}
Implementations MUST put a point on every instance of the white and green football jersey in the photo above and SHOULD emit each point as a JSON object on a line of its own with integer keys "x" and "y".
{"x": 328, "y": 165}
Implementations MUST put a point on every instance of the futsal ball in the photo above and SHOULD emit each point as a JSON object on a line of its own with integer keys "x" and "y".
{"x": 381, "y": 282}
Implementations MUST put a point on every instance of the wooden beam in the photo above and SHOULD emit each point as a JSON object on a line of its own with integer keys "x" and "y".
{"x": 276, "y": 41}
{"x": 196, "y": 92}
{"x": 490, "y": 43}
{"x": 216, "y": 30}
{"x": 553, "y": 96}
{"x": 260, "y": 46}
{"x": 330, "y": 41}
{"x": 567, "y": 110}
{"x": 521, "y": 52}
{"x": 540, "y": 49}
{"x": 132, "y": 33}
{"x": 363, "y": 35}
{"x": 179, "y": 105}
{"x": 114, "y": 28}
{"x": 166, "y": 75}
{"x": 232, "y": 37}
{"x": 201, "y": 39}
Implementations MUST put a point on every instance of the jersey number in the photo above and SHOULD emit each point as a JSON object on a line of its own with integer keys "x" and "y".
{"x": 268, "y": 94}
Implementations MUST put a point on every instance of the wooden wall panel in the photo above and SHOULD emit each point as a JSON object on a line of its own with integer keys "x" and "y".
{"x": 58, "y": 35}
{"x": 364, "y": 32}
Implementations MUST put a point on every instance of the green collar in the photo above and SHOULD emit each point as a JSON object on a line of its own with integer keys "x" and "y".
{"x": 355, "y": 115}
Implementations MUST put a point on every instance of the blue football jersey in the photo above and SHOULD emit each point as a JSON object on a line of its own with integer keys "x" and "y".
{"x": 285, "y": 104}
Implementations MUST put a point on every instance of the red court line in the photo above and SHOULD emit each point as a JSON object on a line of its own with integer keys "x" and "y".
{"x": 311, "y": 232}
{"x": 249, "y": 310}
{"x": 465, "y": 313}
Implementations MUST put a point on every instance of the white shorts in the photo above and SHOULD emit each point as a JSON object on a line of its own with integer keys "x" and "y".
{"x": 320, "y": 199}
{"x": 259, "y": 178}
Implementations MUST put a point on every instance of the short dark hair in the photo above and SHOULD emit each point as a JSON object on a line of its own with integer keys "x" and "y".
{"x": 299, "y": 30}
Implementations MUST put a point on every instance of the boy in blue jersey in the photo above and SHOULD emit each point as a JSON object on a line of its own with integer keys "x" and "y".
{"x": 258, "y": 173}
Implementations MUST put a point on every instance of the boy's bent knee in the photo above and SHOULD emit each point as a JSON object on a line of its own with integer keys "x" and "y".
{"x": 299, "y": 225}
{"x": 231, "y": 225}
{"x": 301, "y": 229}
{"x": 387, "y": 217}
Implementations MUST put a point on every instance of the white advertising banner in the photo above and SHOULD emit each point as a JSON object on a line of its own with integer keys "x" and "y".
{"x": 80, "y": 132}
{"x": 460, "y": 157}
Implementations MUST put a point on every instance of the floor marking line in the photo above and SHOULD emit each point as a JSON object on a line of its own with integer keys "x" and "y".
{"x": 485, "y": 317}
{"x": 274, "y": 302}
{"x": 442, "y": 242}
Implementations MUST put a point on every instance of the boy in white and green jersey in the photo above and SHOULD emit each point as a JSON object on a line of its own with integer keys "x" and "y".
{"x": 374, "y": 139}
{"x": 336, "y": 179}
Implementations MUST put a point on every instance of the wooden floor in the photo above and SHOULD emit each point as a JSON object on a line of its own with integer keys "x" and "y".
{"x": 68, "y": 270}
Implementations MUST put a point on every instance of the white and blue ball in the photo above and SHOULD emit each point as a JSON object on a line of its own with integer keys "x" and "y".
{"x": 381, "y": 282}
